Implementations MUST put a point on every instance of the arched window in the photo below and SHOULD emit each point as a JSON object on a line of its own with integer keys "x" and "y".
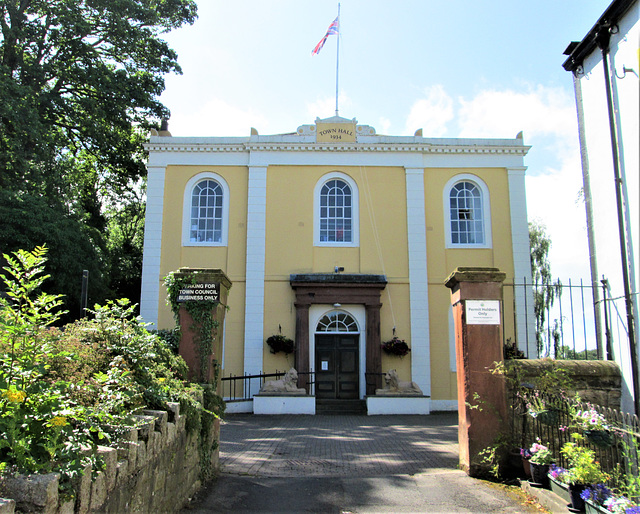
{"x": 337, "y": 321}
{"x": 467, "y": 213}
{"x": 336, "y": 211}
{"x": 206, "y": 211}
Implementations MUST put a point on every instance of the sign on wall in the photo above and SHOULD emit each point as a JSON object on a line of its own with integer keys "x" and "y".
{"x": 336, "y": 133}
{"x": 482, "y": 312}
{"x": 201, "y": 292}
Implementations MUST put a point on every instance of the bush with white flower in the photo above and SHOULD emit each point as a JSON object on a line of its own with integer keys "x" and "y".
{"x": 590, "y": 419}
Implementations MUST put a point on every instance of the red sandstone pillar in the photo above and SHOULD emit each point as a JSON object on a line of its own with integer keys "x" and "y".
{"x": 302, "y": 344}
{"x": 476, "y": 298}
{"x": 373, "y": 358}
{"x": 190, "y": 347}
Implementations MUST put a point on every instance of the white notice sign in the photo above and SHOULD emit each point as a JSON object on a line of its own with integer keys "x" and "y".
{"x": 482, "y": 312}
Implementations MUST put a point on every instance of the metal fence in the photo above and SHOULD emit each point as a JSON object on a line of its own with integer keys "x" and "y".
{"x": 617, "y": 454}
{"x": 238, "y": 388}
{"x": 581, "y": 320}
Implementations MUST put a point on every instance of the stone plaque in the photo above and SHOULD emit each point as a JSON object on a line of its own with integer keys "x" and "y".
{"x": 482, "y": 312}
{"x": 336, "y": 133}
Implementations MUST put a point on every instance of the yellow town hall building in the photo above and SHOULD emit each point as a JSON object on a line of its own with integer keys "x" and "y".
{"x": 338, "y": 238}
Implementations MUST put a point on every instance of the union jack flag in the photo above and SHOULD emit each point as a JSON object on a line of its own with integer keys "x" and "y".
{"x": 332, "y": 30}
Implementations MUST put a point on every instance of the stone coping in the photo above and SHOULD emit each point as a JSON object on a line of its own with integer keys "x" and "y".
{"x": 338, "y": 278}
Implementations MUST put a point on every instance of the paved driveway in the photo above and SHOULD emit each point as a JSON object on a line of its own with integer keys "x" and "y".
{"x": 344, "y": 464}
{"x": 338, "y": 446}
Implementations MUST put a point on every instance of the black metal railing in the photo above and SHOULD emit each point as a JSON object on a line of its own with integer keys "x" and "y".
{"x": 237, "y": 388}
{"x": 619, "y": 456}
{"x": 582, "y": 322}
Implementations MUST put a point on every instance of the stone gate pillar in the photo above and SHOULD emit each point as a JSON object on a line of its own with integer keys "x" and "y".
{"x": 476, "y": 298}
{"x": 210, "y": 286}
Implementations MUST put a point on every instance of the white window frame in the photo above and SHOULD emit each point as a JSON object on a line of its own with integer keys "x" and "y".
{"x": 355, "y": 211}
{"x": 486, "y": 211}
{"x": 186, "y": 210}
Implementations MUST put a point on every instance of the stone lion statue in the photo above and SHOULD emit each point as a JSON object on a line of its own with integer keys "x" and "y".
{"x": 395, "y": 386}
{"x": 286, "y": 385}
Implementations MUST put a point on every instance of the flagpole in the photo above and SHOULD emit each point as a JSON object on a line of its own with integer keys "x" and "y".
{"x": 338, "y": 59}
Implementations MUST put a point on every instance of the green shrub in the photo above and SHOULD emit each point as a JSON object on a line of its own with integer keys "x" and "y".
{"x": 44, "y": 429}
{"x": 64, "y": 390}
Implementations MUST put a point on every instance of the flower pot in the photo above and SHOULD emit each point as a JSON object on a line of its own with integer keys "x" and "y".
{"x": 594, "y": 508}
{"x": 599, "y": 438}
{"x": 560, "y": 489}
{"x": 516, "y": 464}
{"x": 539, "y": 476}
{"x": 527, "y": 467}
{"x": 577, "y": 503}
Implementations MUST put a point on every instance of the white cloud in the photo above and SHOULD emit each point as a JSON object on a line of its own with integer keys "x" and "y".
{"x": 326, "y": 107}
{"x": 383, "y": 126}
{"x": 431, "y": 113}
{"x": 552, "y": 198}
{"x": 539, "y": 111}
{"x": 216, "y": 118}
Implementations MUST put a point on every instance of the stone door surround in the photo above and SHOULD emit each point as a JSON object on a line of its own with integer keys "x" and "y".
{"x": 332, "y": 288}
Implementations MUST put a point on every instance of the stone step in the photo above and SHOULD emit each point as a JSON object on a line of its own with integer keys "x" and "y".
{"x": 341, "y": 406}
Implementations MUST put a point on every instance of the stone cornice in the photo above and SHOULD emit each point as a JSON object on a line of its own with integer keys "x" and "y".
{"x": 425, "y": 148}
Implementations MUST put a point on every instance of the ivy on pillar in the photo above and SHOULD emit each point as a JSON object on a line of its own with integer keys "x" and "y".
{"x": 198, "y": 299}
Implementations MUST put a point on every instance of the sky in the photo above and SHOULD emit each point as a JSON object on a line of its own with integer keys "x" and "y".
{"x": 459, "y": 68}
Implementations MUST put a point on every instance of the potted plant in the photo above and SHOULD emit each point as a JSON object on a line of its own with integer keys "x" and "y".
{"x": 538, "y": 409}
{"x": 557, "y": 482}
{"x": 279, "y": 343}
{"x": 594, "y": 497}
{"x": 594, "y": 426}
{"x": 619, "y": 504}
{"x": 396, "y": 346}
{"x": 599, "y": 499}
{"x": 525, "y": 453}
{"x": 540, "y": 459}
{"x": 583, "y": 470}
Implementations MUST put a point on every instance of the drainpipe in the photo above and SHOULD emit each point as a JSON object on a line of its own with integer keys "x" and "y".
{"x": 603, "y": 42}
{"x": 588, "y": 202}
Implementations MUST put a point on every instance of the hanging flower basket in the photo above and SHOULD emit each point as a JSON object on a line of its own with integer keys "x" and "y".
{"x": 599, "y": 438}
{"x": 396, "y": 347}
{"x": 279, "y": 343}
{"x": 546, "y": 416}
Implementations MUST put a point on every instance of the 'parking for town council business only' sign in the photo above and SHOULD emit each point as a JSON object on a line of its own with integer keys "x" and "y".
{"x": 202, "y": 292}
{"x": 482, "y": 312}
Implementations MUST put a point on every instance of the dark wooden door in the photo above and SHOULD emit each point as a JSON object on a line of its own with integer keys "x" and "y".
{"x": 337, "y": 366}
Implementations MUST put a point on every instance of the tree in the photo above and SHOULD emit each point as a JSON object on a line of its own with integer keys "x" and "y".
{"x": 79, "y": 88}
{"x": 545, "y": 291}
{"x": 125, "y": 229}
{"x": 81, "y": 76}
{"x": 71, "y": 245}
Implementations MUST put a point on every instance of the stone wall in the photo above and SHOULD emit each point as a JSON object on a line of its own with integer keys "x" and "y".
{"x": 156, "y": 469}
{"x": 597, "y": 382}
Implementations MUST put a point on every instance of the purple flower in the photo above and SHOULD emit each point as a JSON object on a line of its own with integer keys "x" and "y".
{"x": 556, "y": 471}
{"x": 621, "y": 504}
{"x": 598, "y": 493}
